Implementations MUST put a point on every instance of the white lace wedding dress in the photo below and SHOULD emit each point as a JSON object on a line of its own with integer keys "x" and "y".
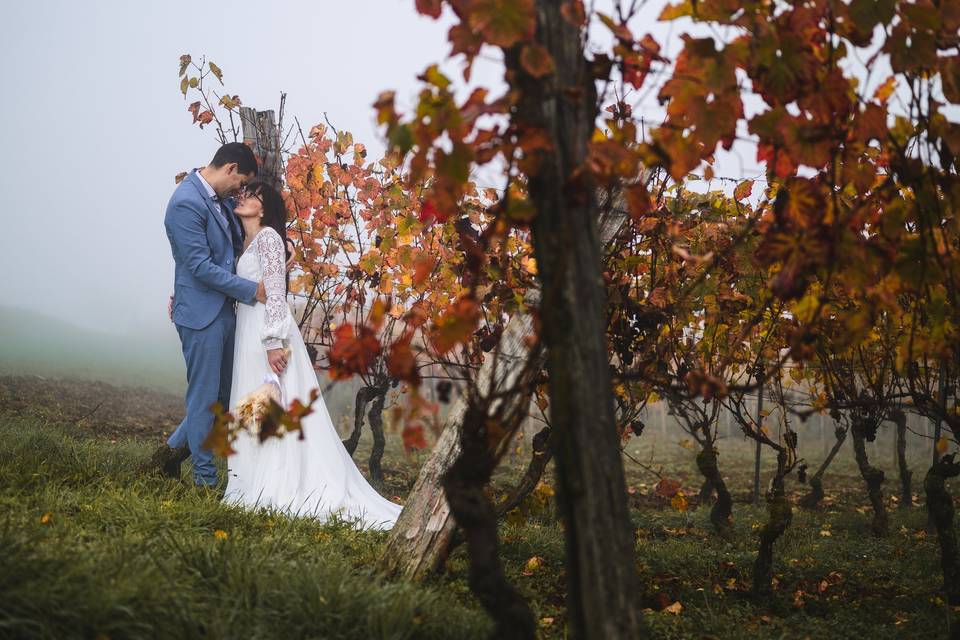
{"x": 312, "y": 477}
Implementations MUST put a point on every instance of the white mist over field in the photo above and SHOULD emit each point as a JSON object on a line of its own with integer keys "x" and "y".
{"x": 96, "y": 129}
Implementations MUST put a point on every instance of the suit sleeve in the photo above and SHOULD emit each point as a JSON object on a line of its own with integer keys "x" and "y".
{"x": 186, "y": 227}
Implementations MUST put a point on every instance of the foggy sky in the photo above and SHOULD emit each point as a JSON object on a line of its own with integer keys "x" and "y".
{"x": 96, "y": 128}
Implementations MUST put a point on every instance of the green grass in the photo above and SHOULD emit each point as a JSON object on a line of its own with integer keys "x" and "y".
{"x": 125, "y": 557}
{"x": 88, "y": 549}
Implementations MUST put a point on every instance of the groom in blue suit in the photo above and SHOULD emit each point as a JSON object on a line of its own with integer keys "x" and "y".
{"x": 206, "y": 241}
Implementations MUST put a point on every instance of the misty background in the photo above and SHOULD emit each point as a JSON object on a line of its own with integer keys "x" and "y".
{"x": 96, "y": 130}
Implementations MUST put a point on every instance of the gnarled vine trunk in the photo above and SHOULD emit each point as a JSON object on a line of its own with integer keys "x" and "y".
{"x": 539, "y": 458}
{"x": 941, "y": 510}
{"x": 906, "y": 476}
{"x": 815, "y": 495}
{"x": 362, "y": 399}
{"x": 873, "y": 477}
{"x": 781, "y": 515}
{"x": 379, "y": 441}
{"x": 464, "y": 484}
{"x": 721, "y": 514}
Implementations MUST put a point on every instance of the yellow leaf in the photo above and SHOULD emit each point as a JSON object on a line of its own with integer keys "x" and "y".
{"x": 679, "y": 502}
{"x": 532, "y": 565}
{"x": 46, "y": 518}
{"x": 942, "y": 445}
{"x": 675, "y": 608}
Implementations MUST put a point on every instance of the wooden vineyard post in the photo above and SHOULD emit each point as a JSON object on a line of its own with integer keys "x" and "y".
{"x": 261, "y": 133}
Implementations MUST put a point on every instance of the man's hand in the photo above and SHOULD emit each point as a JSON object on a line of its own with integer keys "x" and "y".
{"x": 261, "y": 293}
{"x": 277, "y": 359}
{"x": 170, "y": 308}
{"x": 293, "y": 255}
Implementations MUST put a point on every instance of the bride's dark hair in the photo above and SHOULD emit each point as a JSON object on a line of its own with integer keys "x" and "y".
{"x": 274, "y": 211}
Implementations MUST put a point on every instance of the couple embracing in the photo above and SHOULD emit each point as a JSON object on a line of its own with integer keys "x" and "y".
{"x": 227, "y": 232}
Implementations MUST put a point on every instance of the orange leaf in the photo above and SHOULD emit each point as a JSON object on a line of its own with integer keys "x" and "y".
{"x": 679, "y": 501}
{"x": 536, "y": 60}
{"x": 942, "y": 445}
{"x": 455, "y": 325}
{"x": 743, "y": 190}
{"x": 352, "y": 354}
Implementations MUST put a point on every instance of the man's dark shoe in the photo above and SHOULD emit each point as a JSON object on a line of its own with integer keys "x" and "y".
{"x": 166, "y": 461}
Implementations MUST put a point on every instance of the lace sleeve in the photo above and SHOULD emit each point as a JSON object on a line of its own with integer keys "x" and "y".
{"x": 277, "y": 320}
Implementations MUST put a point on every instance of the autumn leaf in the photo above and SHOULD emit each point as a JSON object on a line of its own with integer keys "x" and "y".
{"x": 503, "y": 23}
{"x": 674, "y": 608}
{"x": 455, "y": 325}
{"x": 219, "y": 439}
{"x": 942, "y": 445}
{"x": 679, "y": 501}
{"x": 536, "y": 60}
{"x": 350, "y": 353}
{"x": 429, "y": 213}
{"x": 430, "y": 8}
{"x": 401, "y": 363}
{"x": 666, "y": 488}
{"x": 743, "y": 190}
{"x": 533, "y": 565}
{"x": 184, "y": 63}
{"x": 215, "y": 70}
{"x": 413, "y": 437}
{"x": 230, "y": 102}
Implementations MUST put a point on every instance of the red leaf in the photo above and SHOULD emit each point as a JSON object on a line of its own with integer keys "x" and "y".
{"x": 402, "y": 364}
{"x": 666, "y": 488}
{"x": 352, "y": 354}
{"x": 413, "y": 437}
{"x": 429, "y": 213}
{"x": 430, "y": 8}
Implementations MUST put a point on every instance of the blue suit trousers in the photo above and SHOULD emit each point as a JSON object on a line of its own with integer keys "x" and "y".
{"x": 208, "y": 353}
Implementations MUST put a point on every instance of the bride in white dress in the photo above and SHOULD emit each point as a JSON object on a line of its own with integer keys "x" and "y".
{"x": 313, "y": 477}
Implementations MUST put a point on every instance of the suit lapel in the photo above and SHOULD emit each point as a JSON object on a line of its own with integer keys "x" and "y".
{"x": 221, "y": 219}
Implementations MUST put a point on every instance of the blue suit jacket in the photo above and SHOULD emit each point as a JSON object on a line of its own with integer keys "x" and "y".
{"x": 205, "y": 250}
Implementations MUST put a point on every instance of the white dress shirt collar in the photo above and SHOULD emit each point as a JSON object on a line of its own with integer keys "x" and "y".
{"x": 206, "y": 185}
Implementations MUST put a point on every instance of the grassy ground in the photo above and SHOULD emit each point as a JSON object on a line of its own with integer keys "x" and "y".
{"x": 89, "y": 549}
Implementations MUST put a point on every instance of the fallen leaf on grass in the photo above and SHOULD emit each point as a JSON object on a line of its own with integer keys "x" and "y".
{"x": 675, "y": 608}
{"x": 533, "y": 565}
{"x": 46, "y": 518}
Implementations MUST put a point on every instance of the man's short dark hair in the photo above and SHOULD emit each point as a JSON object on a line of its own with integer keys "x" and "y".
{"x": 236, "y": 152}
